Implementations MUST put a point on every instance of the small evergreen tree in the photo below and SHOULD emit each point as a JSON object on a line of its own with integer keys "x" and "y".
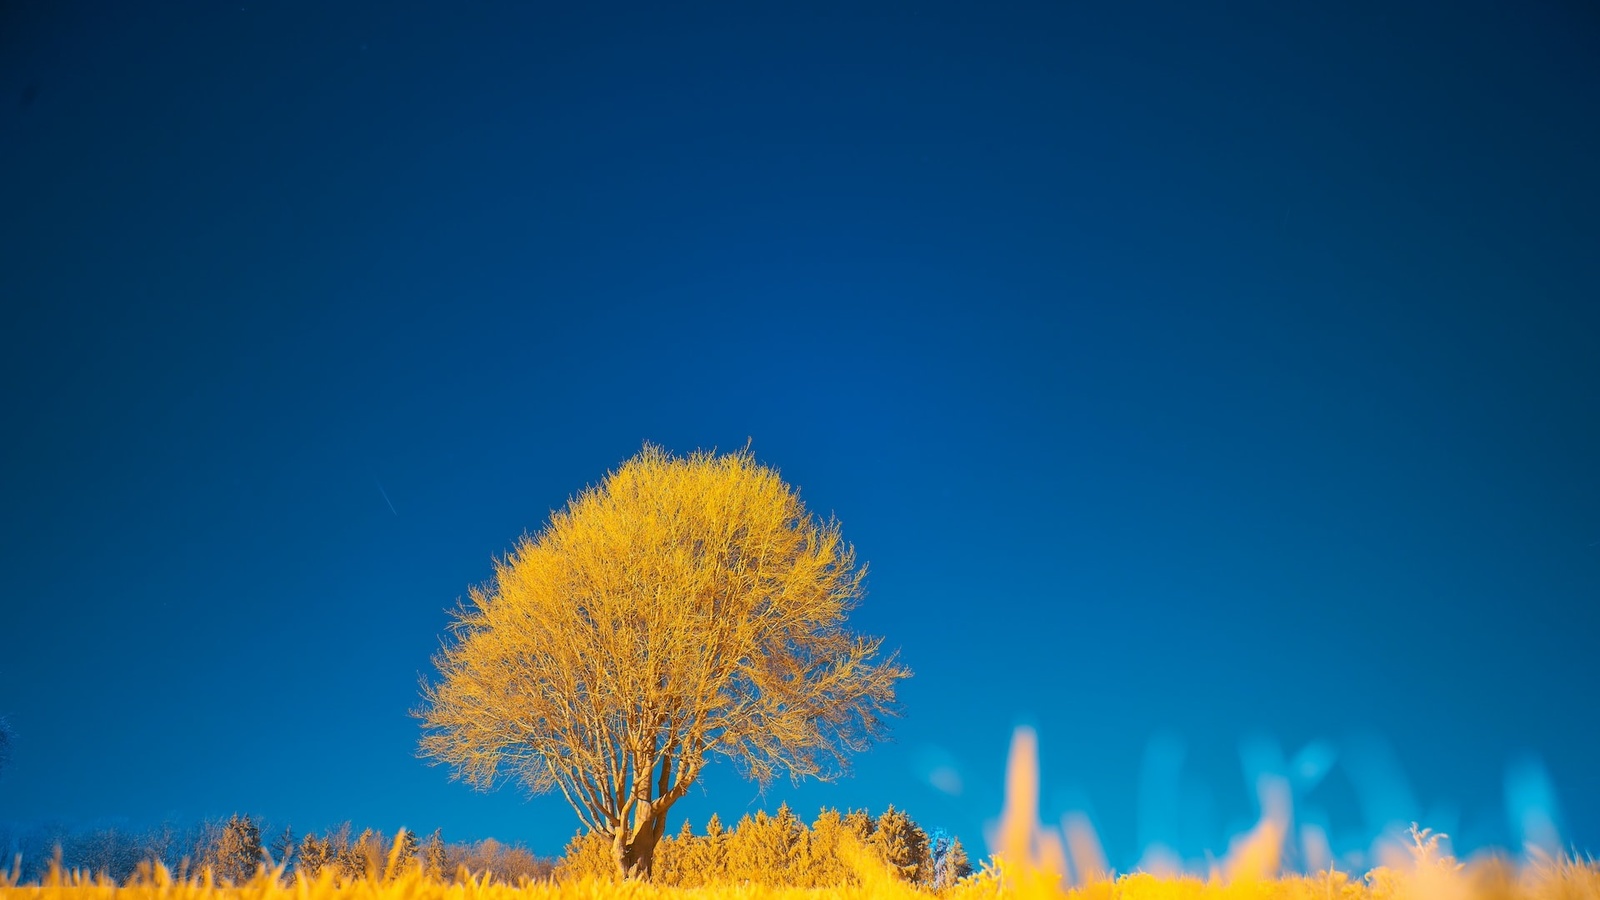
{"x": 902, "y": 845}
{"x": 283, "y": 847}
{"x": 402, "y": 855}
{"x": 858, "y": 823}
{"x": 313, "y": 856}
{"x": 740, "y": 862}
{"x": 823, "y": 864}
{"x": 673, "y": 858}
{"x": 433, "y": 858}
{"x": 713, "y": 862}
{"x": 783, "y": 843}
{"x": 238, "y": 850}
{"x": 948, "y": 860}
{"x": 367, "y": 855}
{"x": 344, "y": 854}
{"x": 587, "y": 855}
{"x": 764, "y": 849}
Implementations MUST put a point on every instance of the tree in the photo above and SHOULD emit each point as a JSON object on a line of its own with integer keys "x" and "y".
{"x": 433, "y": 858}
{"x": 765, "y": 849}
{"x": 706, "y": 858}
{"x": 948, "y": 860}
{"x": 673, "y": 852}
{"x": 238, "y": 850}
{"x": 822, "y": 866}
{"x": 587, "y": 855}
{"x": 108, "y": 851}
{"x": 283, "y": 847}
{"x": 683, "y": 608}
{"x": 314, "y": 855}
{"x": 365, "y": 857}
{"x": 343, "y": 854}
{"x": 859, "y": 824}
{"x": 902, "y": 845}
{"x": 402, "y": 854}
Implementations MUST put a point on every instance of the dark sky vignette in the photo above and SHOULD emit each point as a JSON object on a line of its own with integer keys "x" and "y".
{"x": 1223, "y": 373}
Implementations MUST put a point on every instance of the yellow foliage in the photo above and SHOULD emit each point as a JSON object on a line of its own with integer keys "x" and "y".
{"x": 775, "y": 851}
{"x": 682, "y": 608}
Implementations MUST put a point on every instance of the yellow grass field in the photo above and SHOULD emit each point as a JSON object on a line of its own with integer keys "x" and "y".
{"x": 1487, "y": 881}
{"x": 1032, "y": 863}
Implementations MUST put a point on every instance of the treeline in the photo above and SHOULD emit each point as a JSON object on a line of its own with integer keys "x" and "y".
{"x": 234, "y": 849}
{"x": 779, "y": 850}
{"x": 776, "y": 850}
{"x": 115, "y": 850}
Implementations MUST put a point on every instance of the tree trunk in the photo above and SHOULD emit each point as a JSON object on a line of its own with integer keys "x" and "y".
{"x": 636, "y": 856}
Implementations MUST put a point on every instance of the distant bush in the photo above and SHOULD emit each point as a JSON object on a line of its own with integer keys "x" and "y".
{"x": 509, "y": 863}
{"x": 374, "y": 855}
{"x": 778, "y": 850}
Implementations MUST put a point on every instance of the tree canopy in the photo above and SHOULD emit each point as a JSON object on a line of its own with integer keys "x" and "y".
{"x": 684, "y": 608}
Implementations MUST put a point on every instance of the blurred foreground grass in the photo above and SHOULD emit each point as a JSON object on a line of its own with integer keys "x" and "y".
{"x": 1489, "y": 880}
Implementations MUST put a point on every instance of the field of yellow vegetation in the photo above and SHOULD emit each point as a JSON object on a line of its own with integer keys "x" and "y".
{"x": 1031, "y": 863}
{"x": 1485, "y": 881}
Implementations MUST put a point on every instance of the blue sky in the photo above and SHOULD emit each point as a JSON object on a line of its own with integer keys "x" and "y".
{"x": 1219, "y": 376}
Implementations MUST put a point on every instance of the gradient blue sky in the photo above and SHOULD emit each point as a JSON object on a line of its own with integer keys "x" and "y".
{"x": 1226, "y": 374}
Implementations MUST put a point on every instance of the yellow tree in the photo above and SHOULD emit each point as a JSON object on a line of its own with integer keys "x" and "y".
{"x": 684, "y": 608}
